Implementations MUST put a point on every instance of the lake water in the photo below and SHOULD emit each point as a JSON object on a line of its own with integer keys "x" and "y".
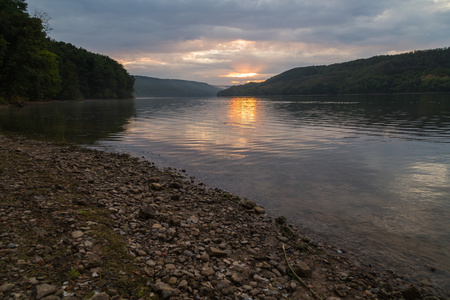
{"x": 370, "y": 174}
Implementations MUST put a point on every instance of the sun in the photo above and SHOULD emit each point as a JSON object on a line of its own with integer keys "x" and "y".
{"x": 240, "y": 75}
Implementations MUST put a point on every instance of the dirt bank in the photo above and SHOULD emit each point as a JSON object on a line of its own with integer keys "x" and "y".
{"x": 75, "y": 223}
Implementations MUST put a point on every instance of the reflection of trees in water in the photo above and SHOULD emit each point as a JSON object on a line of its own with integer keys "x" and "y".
{"x": 80, "y": 122}
{"x": 418, "y": 115}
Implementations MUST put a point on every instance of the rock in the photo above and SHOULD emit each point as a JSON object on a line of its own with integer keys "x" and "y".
{"x": 165, "y": 290}
{"x": 259, "y": 210}
{"x": 207, "y": 271}
{"x": 77, "y": 234}
{"x": 236, "y": 278}
{"x": 150, "y": 263}
{"x": 147, "y": 212}
{"x": 340, "y": 290}
{"x": 193, "y": 219}
{"x": 100, "y": 296}
{"x": 204, "y": 257}
{"x": 21, "y": 296}
{"x": 280, "y": 220}
{"x": 45, "y": 290}
{"x": 156, "y": 186}
{"x": 412, "y": 292}
{"x": 249, "y": 204}
{"x": 93, "y": 260}
{"x": 172, "y": 281}
{"x": 302, "y": 269}
{"x": 51, "y": 297}
{"x": 175, "y": 185}
{"x": 214, "y": 252}
{"x": 6, "y": 287}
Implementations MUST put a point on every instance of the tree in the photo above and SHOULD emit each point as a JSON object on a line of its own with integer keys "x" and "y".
{"x": 27, "y": 69}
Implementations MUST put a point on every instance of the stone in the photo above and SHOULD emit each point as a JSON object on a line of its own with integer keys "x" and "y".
{"x": 259, "y": 210}
{"x": 193, "y": 219}
{"x": 302, "y": 269}
{"x": 214, "y": 252}
{"x": 340, "y": 290}
{"x": 147, "y": 212}
{"x": 249, "y": 204}
{"x": 6, "y": 287}
{"x": 51, "y": 297}
{"x": 150, "y": 263}
{"x": 45, "y": 290}
{"x": 100, "y": 296}
{"x": 204, "y": 257}
{"x": 236, "y": 278}
{"x": 94, "y": 260}
{"x": 175, "y": 185}
{"x": 412, "y": 292}
{"x": 207, "y": 271}
{"x": 21, "y": 296}
{"x": 77, "y": 234}
{"x": 156, "y": 186}
{"x": 172, "y": 281}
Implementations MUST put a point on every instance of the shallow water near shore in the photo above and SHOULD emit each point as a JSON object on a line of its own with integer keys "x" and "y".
{"x": 370, "y": 174}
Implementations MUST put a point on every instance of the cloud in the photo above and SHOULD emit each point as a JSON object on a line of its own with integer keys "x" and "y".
{"x": 204, "y": 39}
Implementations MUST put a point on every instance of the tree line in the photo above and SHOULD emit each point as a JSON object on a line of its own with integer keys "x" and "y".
{"x": 34, "y": 67}
{"x": 415, "y": 72}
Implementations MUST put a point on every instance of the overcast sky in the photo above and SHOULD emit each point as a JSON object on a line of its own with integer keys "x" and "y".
{"x": 226, "y": 42}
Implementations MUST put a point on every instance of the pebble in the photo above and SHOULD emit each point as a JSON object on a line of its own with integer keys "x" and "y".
{"x": 45, "y": 290}
{"x": 77, "y": 234}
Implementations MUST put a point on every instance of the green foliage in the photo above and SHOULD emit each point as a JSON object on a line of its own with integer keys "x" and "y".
{"x": 89, "y": 75}
{"x": 155, "y": 87}
{"x": 25, "y": 63}
{"x": 32, "y": 67}
{"x": 73, "y": 274}
{"x": 415, "y": 72}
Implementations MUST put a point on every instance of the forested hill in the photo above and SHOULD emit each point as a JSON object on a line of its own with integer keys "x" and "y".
{"x": 414, "y": 72}
{"x": 33, "y": 67}
{"x": 155, "y": 87}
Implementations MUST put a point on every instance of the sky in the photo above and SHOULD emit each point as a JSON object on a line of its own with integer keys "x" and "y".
{"x": 230, "y": 42}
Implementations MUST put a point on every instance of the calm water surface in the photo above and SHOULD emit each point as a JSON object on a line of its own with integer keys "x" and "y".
{"x": 370, "y": 174}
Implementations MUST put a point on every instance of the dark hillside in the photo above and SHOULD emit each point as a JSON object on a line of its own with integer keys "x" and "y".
{"x": 414, "y": 72}
{"x": 155, "y": 87}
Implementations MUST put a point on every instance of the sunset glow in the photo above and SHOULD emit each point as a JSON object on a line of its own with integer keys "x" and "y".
{"x": 240, "y": 75}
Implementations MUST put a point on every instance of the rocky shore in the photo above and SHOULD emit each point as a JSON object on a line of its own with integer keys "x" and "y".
{"x": 84, "y": 224}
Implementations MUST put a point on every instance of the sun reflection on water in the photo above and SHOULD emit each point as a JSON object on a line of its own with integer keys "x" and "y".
{"x": 243, "y": 111}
